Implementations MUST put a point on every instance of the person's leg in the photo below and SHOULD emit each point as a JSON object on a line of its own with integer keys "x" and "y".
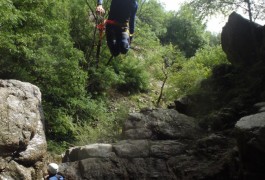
{"x": 111, "y": 36}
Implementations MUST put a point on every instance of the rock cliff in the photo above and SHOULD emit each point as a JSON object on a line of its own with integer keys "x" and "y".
{"x": 251, "y": 143}
{"x": 217, "y": 134}
{"x": 220, "y": 137}
{"x": 242, "y": 41}
{"x": 158, "y": 144}
{"x": 22, "y": 142}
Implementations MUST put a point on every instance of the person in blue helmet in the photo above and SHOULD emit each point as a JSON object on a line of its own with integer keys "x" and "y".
{"x": 119, "y": 25}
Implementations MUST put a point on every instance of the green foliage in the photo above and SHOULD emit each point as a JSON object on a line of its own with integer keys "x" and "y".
{"x": 37, "y": 48}
{"x": 170, "y": 63}
{"x": 106, "y": 129}
{"x": 210, "y": 56}
{"x": 187, "y": 80}
{"x": 56, "y": 148}
{"x": 214, "y": 39}
{"x": 186, "y": 31}
{"x": 82, "y": 25}
{"x": 59, "y": 126}
{"x": 135, "y": 77}
{"x": 52, "y": 45}
{"x": 146, "y": 43}
{"x": 253, "y": 8}
{"x": 101, "y": 79}
{"x": 153, "y": 14}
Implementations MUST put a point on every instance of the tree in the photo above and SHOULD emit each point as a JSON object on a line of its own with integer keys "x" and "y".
{"x": 187, "y": 80}
{"x": 36, "y": 47}
{"x": 255, "y": 9}
{"x": 186, "y": 31}
{"x": 172, "y": 61}
{"x": 152, "y": 13}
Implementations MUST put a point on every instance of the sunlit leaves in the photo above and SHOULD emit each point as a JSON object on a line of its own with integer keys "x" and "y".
{"x": 187, "y": 79}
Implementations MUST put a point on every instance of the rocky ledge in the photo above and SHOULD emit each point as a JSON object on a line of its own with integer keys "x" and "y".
{"x": 158, "y": 144}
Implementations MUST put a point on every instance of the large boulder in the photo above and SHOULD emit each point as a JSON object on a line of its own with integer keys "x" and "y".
{"x": 22, "y": 142}
{"x": 251, "y": 143}
{"x": 160, "y": 124}
{"x": 158, "y": 144}
{"x": 88, "y": 151}
{"x": 242, "y": 41}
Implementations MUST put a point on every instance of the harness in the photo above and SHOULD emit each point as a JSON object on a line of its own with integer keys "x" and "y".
{"x": 101, "y": 26}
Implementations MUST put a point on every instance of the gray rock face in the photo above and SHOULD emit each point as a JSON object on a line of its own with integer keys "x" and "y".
{"x": 89, "y": 151}
{"x": 242, "y": 41}
{"x": 260, "y": 106}
{"x": 251, "y": 143}
{"x": 160, "y": 124}
{"x": 22, "y": 142}
{"x": 160, "y": 144}
{"x": 254, "y": 122}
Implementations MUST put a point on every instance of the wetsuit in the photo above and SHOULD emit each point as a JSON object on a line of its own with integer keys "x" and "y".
{"x": 122, "y": 12}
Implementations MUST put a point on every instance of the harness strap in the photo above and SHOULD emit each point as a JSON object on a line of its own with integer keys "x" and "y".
{"x": 113, "y": 22}
{"x": 101, "y": 26}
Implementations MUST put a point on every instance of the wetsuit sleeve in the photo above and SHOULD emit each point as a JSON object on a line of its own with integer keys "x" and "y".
{"x": 132, "y": 16}
{"x": 99, "y": 2}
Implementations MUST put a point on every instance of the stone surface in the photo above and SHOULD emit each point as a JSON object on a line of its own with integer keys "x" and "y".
{"x": 132, "y": 148}
{"x": 22, "y": 143}
{"x": 88, "y": 151}
{"x": 260, "y": 106}
{"x": 174, "y": 149}
{"x": 241, "y": 41}
{"x": 255, "y": 122}
{"x": 160, "y": 124}
{"x": 251, "y": 143}
{"x": 166, "y": 148}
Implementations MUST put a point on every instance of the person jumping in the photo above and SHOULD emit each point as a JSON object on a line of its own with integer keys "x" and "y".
{"x": 119, "y": 25}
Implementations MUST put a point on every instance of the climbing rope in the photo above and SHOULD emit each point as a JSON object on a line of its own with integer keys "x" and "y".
{"x": 100, "y": 25}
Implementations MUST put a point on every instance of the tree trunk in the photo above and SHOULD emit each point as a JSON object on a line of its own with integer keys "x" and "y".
{"x": 249, "y": 10}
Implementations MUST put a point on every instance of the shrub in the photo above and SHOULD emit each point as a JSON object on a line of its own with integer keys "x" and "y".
{"x": 134, "y": 76}
{"x": 106, "y": 129}
{"x": 187, "y": 80}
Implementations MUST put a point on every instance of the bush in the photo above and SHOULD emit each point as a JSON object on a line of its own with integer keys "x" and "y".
{"x": 101, "y": 79}
{"x": 107, "y": 128}
{"x": 56, "y": 148}
{"x": 187, "y": 80}
{"x": 134, "y": 76}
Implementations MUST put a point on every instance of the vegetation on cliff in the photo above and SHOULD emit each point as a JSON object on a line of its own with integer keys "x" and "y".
{"x": 52, "y": 44}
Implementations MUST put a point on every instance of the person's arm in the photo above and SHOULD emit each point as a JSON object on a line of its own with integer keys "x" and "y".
{"x": 132, "y": 16}
{"x": 100, "y": 8}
